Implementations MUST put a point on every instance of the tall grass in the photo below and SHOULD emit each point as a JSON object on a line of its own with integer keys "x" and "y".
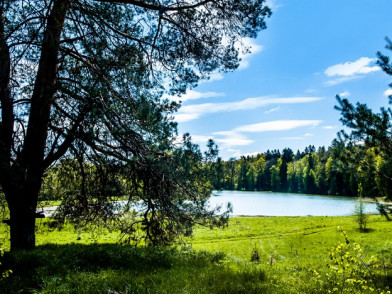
{"x": 289, "y": 252}
{"x": 100, "y": 268}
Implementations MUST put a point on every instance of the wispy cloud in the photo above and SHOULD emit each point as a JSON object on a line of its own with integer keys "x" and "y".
{"x": 236, "y": 137}
{"x": 329, "y": 127}
{"x": 360, "y": 66}
{"x": 200, "y": 139}
{"x": 351, "y": 70}
{"x": 191, "y": 112}
{"x": 277, "y": 125}
{"x": 182, "y": 117}
{"x": 342, "y": 80}
{"x": 272, "y": 110}
{"x": 194, "y": 95}
{"x": 231, "y": 138}
{"x": 309, "y": 135}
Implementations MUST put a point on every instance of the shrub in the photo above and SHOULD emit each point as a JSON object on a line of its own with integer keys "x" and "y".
{"x": 349, "y": 272}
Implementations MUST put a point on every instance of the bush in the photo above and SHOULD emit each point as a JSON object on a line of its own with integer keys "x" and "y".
{"x": 349, "y": 272}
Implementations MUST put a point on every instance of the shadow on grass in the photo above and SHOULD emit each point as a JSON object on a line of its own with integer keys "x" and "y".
{"x": 367, "y": 230}
{"x": 111, "y": 268}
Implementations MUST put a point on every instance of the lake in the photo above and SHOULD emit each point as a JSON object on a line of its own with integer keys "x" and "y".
{"x": 287, "y": 204}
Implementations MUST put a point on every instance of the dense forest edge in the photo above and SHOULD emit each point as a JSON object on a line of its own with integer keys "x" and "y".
{"x": 325, "y": 171}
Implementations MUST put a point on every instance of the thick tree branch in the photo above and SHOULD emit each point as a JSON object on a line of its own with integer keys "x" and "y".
{"x": 159, "y": 8}
{"x": 7, "y": 111}
{"x": 44, "y": 89}
{"x": 66, "y": 144}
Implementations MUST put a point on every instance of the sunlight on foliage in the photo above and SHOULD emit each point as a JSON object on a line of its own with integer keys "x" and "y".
{"x": 5, "y": 273}
{"x": 350, "y": 272}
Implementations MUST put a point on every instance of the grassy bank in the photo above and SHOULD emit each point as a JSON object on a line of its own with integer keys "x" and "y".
{"x": 291, "y": 255}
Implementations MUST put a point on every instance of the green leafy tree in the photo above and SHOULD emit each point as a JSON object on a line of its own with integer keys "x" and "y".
{"x": 251, "y": 179}
{"x": 83, "y": 79}
{"x": 243, "y": 167}
{"x": 275, "y": 175}
{"x": 287, "y": 157}
{"x": 369, "y": 129}
{"x": 260, "y": 169}
{"x": 230, "y": 174}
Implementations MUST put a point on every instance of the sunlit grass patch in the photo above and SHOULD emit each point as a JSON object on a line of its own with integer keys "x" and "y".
{"x": 289, "y": 250}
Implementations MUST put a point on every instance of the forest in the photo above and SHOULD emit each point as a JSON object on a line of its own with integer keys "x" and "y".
{"x": 338, "y": 170}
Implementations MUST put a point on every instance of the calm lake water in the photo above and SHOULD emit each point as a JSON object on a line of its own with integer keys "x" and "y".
{"x": 286, "y": 204}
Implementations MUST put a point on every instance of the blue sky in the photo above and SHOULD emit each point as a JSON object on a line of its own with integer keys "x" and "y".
{"x": 283, "y": 94}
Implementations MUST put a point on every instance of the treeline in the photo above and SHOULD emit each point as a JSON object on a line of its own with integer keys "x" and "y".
{"x": 345, "y": 170}
{"x": 331, "y": 171}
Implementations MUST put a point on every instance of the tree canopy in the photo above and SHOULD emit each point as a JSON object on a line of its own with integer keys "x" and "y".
{"x": 84, "y": 79}
{"x": 369, "y": 140}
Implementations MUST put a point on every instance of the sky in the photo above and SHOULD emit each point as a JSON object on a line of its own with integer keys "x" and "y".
{"x": 283, "y": 93}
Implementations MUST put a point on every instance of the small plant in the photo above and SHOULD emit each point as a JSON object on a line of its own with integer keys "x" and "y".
{"x": 255, "y": 257}
{"x": 349, "y": 272}
{"x": 359, "y": 211}
{"x": 6, "y": 273}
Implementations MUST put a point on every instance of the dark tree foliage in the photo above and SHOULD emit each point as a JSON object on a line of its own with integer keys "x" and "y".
{"x": 369, "y": 131}
{"x": 83, "y": 79}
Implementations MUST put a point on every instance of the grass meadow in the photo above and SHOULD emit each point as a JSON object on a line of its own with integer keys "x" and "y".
{"x": 251, "y": 255}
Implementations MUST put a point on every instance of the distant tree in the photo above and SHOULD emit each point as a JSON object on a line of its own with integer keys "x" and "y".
{"x": 230, "y": 174}
{"x": 275, "y": 175}
{"x": 218, "y": 174}
{"x": 83, "y": 79}
{"x": 287, "y": 157}
{"x": 242, "y": 183}
{"x": 260, "y": 169}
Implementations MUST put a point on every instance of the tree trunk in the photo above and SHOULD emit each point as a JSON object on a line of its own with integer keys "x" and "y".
{"x": 22, "y": 198}
{"x": 22, "y": 224}
{"x": 25, "y": 174}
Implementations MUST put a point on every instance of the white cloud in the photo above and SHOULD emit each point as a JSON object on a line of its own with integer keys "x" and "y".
{"x": 345, "y": 94}
{"x": 388, "y": 92}
{"x": 194, "y": 95}
{"x": 272, "y": 110}
{"x": 225, "y": 140}
{"x": 360, "y": 66}
{"x": 342, "y": 80}
{"x": 235, "y": 137}
{"x": 191, "y": 112}
{"x": 309, "y": 135}
{"x": 231, "y": 138}
{"x": 215, "y": 76}
{"x": 329, "y": 127}
{"x": 238, "y": 140}
{"x": 183, "y": 117}
{"x": 277, "y": 125}
{"x": 254, "y": 49}
{"x": 200, "y": 139}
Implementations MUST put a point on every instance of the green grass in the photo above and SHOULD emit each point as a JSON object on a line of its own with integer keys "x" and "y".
{"x": 214, "y": 261}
